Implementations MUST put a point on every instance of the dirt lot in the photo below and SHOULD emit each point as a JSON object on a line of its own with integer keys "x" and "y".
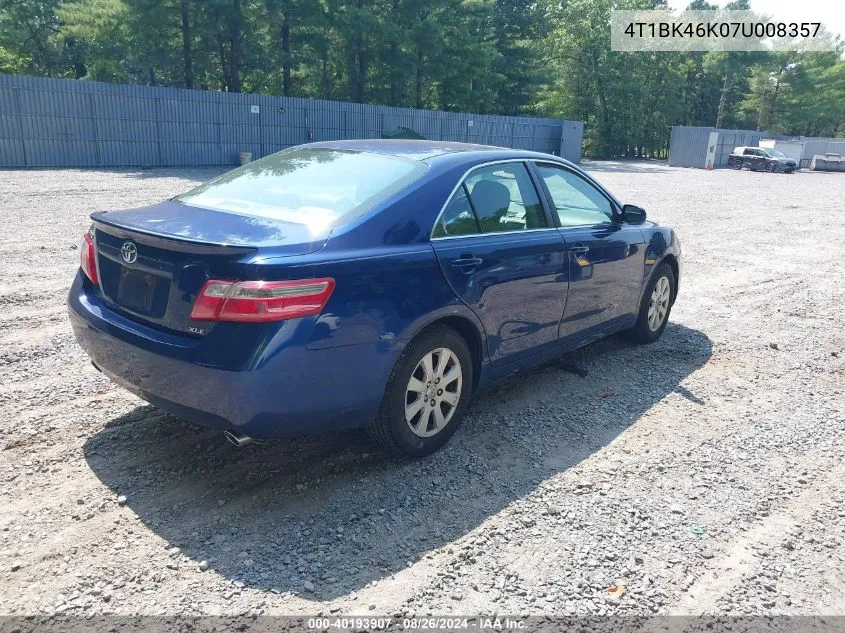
{"x": 711, "y": 482}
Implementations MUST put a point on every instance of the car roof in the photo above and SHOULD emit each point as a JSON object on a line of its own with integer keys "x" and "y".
{"x": 424, "y": 150}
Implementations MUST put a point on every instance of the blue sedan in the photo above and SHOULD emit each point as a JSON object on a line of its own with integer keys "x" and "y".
{"x": 373, "y": 284}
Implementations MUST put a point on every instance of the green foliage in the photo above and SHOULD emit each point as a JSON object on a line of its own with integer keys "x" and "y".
{"x": 536, "y": 57}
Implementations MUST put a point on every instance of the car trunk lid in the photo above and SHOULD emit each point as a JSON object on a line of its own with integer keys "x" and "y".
{"x": 153, "y": 261}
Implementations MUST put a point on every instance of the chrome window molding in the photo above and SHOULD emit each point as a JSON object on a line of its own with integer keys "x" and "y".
{"x": 472, "y": 235}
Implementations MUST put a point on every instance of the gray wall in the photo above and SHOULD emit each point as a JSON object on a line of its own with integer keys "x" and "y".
{"x": 688, "y": 145}
{"x": 814, "y": 146}
{"x": 69, "y": 123}
{"x": 729, "y": 139}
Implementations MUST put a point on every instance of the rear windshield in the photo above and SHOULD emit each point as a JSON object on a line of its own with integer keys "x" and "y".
{"x": 320, "y": 188}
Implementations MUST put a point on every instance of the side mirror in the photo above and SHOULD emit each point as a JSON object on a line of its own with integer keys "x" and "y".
{"x": 632, "y": 214}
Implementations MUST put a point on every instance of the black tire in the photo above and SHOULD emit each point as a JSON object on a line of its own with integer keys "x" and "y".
{"x": 642, "y": 331}
{"x": 770, "y": 167}
{"x": 390, "y": 428}
{"x": 737, "y": 164}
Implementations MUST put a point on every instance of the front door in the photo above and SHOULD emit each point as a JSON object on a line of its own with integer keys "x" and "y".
{"x": 504, "y": 259}
{"x": 606, "y": 256}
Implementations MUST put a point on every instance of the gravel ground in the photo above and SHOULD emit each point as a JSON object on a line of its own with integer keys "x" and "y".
{"x": 701, "y": 474}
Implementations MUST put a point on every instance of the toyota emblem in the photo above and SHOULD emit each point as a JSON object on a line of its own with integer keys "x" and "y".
{"x": 129, "y": 252}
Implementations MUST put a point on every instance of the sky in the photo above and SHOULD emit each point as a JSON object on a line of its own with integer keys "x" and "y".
{"x": 829, "y": 12}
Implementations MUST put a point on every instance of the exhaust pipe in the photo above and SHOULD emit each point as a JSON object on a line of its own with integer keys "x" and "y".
{"x": 239, "y": 439}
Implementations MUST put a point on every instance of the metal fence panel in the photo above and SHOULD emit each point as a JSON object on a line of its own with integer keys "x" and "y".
{"x": 117, "y": 154}
{"x": 69, "y": 123}
{"x": 12, "y": 151}
{"x": 836, "y": 147}
{"x": 817, "y": 146}
{"x": 570, "y": 141}
{"x": 688, "y": 146}
{"x": 729, "y": 139}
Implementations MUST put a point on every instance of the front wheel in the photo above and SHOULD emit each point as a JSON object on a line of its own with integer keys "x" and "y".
{"x": 426, "y": 395}
{"x": 656, "y": 306}
{"x": 770, "y": 167}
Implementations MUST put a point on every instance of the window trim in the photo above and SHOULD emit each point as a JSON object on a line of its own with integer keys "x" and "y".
{"x": 462, "y": 181}
{"x": 614, "y": 205}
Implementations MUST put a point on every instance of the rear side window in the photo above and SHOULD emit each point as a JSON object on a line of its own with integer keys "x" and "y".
{"x": 457, "y": 218}
{"x": 504, "y": 198}
{"x": 317, "y": 187}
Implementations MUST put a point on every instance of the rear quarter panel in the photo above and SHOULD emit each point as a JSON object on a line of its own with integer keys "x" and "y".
{"x": 380, "y": 295}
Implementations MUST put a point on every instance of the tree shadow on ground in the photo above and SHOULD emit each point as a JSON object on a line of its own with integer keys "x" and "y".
{"x": 333, "y": 513}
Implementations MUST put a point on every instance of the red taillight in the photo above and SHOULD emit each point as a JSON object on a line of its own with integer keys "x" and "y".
{"x": 88, "y": 257}
{"x": 253, "y": 301}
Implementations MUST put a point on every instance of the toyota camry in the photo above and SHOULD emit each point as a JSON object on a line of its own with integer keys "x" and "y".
{"x": 364, "y": 284}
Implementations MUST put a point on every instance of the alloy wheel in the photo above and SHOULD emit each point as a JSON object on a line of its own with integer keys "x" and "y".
{"x": 433, "y": 392}
{"x": 658, "y": 307}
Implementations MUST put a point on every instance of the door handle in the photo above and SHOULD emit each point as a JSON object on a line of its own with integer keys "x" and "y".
{"x": 465, "y": 261}
{"x": 579, "y": 249}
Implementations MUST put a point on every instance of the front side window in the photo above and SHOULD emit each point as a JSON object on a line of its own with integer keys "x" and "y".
{"x": 576, "y": 201}
{"x": 316, "y": 187}
{"x": 504, "y": 198}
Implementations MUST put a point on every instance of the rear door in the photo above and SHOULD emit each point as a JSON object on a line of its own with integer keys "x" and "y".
{"x": 606, "y": 257}
{"x": 504, "y": 259}
{"x": 754, "y": 158}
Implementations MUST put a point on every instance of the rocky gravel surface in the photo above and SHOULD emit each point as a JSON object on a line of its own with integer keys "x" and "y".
{"x": 701, "y": 474}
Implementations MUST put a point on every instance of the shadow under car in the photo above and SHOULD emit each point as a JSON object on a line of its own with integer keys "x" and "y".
{"x": 334, "y": 511}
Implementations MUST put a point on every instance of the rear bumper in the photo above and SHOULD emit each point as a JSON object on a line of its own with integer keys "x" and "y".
{"x": 292, "y": 391}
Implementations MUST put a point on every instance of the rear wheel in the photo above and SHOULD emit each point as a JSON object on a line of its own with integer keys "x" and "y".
{"x": 426, "y": 395}
{"x": 656, "y": 306}
{"x": 737, "y": 164}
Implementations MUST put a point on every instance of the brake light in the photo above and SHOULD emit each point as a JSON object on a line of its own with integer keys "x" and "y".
{"x": 257, "y": 301}
{"x": 88, "y": 257}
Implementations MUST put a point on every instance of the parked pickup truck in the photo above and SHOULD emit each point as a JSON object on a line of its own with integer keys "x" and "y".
{"x": 759, "y": 158}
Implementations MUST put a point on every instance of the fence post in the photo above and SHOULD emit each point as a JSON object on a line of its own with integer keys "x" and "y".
{"x": 94, "y": 129}
{"x": 221, "y": 157}
{"x": 19, "y": 115}
{"x": 157, "y": 110}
